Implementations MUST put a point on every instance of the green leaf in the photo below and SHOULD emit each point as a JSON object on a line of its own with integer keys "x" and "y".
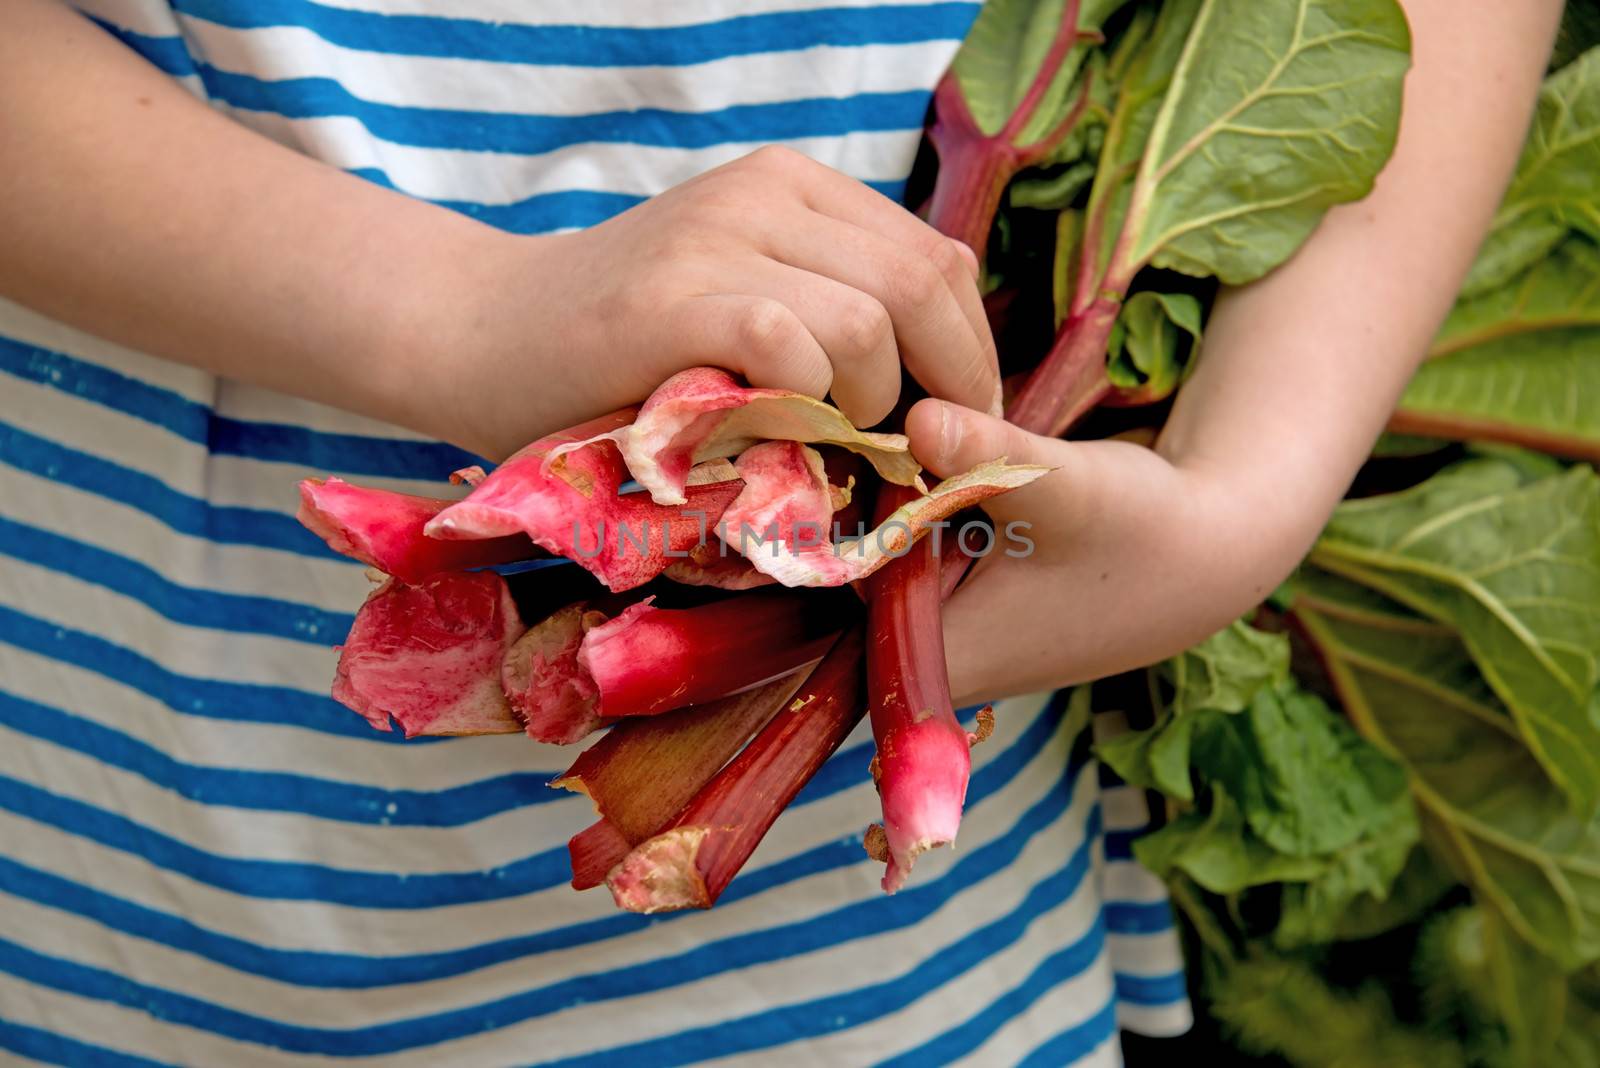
{"x": 1488, "y": 809}
{"x": 1156, "y": 758}
{"x": 1152, "y": 340}
{"x": 1516, "y": 569}
{"x": 1540, "y": 389}
{"x": 1552, "y": 192}
{"x": 1053, "y": 192}
{"x": 1226, "y": 670}
{"x": 1001, "y": 58}
{"x": 1514, "y": 999}
{"x": 1283, "y": 1007}
{"x": 1357, "y": 885}
{"x": 1561, "y": 290}
{"x": 1308, "y": 785}
{"x": 1521, "y": 362}
{"x": 1218, "y": 851}
{"x": 1278, "y": 110}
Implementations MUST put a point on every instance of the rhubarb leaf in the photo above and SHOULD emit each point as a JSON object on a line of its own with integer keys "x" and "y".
{"x": 1218, "y": 850}
{"x": 1552, "y": 192}
{"x": 1151, "y": 343}
{"x": 1489, "y": 810}
{"x": 1000, "y": 61}
{"x": 1278, "y": 110}
{"x": 1156, "y": 758}
{"x": 1227, "y": 670}
{"x": 1307, "y": 784}
{"x": 1516, "y": 569}
{"x": 1561, "y": 290}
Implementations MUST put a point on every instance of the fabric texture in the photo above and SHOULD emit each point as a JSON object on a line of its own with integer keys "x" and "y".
{"x": 205, "y": 861}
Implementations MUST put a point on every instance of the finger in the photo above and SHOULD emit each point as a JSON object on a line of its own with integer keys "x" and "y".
{"x": 755, "y": 336}
{"x": 852, "y": 327}
{"x": 948, "y": 439}
{"x": 933, "y": 333}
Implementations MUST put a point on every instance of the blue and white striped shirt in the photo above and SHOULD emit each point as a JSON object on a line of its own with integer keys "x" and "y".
{"x": 205, "y": 861}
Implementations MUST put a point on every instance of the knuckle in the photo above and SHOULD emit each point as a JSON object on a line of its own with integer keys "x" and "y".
{"x": 765, "y": 327}
{"x": 917, "y": 283}
{"x": 949, "y": 262}
{"x": 865, "y": 325}
{"x": 775, "y": 158}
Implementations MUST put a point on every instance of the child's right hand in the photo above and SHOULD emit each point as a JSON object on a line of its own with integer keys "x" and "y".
{"x": 773, "y": 266}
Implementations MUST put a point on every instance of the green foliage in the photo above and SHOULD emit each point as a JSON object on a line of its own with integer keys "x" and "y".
{"x": 1152, "y": 340}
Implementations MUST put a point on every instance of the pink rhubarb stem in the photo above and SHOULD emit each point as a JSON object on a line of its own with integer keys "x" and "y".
{"x": 689, "y": 864}
{"x": 1071, "y": 379}
{"x": 924, "y": 756}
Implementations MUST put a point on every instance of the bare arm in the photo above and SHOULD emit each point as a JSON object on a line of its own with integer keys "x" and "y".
{"x": 1149, "y": 552}
{"x": 134, "y": 211}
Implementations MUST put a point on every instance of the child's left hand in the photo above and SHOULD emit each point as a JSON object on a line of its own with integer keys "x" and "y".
{"x": 1136, "y": 555}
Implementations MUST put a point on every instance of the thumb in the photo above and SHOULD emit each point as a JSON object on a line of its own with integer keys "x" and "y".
{"x": 948, "y": 439}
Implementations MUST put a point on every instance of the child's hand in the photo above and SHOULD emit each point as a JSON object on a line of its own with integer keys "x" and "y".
{"x": 773, "y": 266}
{"x": 1136, "y": 556}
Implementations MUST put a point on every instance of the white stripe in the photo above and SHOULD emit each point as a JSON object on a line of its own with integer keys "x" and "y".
{"x": 284, "y": 52}
{"x": 1125, "y": 880}
{"x": 1149, "y": 955}
{"x": 1157, "y": 1021}
{"x": 1064, "y": 1006}
{"x": 152, "y": 18}
{"x": 1125, "y": 808}
{"x": 129, "y": 1031}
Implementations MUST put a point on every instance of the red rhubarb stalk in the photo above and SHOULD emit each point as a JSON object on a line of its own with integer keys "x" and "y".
{"x": 689, "y": 864}
{"x": 582, "y": 668}
{"x": 385, "y": 529}
{"x": 645, "y": 770}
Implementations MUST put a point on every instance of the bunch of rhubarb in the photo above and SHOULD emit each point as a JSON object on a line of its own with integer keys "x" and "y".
{"x": 700, "y": 622}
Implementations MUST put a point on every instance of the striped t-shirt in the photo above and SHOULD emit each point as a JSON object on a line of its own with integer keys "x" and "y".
{"x": 205, "y": 861}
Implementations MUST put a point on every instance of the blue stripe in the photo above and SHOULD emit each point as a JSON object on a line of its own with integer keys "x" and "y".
{"x": 51, "y": 1048}
{"x": 597, "y": 46}
{"x": 350, "y": 970}
{"x": 283, "y": 880}
{"x": 1138, "y": 917}
{"x": 527, "y": 134}
{"x": 1169, "y": 989}
{"x": 168, "y": 54}
{"x": 863, "y": 1005}
{"x": 225, "y": 524}
{"x": 1065, "y": 964}
{"x": 275, "y": 791}
{"x": 566, "y": 209}
{"x": 854, "y": 920}
{"x": 1076, "y": 1042}
{"x": 240, "y": 702}
{"x": 354, "y": 454}
{"x": 231, "y": 612}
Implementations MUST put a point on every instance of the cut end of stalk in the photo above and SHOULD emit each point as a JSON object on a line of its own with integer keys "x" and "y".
{"x": 985, "y": 726}
{"x": 662, "y": 874}
{"x": 876, "y": 843}
{"x": 556, "y": 698}
{"x": 903, "y": 860}
{"x": 594, "y": 851}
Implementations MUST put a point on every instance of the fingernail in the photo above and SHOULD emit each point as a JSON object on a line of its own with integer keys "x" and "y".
{"x": 950, "y": 432}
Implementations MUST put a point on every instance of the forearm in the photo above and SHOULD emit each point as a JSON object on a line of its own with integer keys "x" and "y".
{"x": 1300, "y": 370}
{"x": 136, "y": 212}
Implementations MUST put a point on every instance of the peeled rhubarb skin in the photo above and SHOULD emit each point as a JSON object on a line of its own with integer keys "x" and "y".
{"x": 689, "y": 864}
{"x": 924, "y": 754}
{"x": 704, "y": 413}
{"x": 385, "y": 529}
{"x": 572, "y": 507}
{"x": 428, "y": 656}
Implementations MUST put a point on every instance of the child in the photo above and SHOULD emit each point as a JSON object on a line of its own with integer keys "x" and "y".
{"x": 206, "y": 862}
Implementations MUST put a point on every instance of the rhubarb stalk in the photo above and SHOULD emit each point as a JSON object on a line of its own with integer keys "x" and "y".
{"x": 645, "y": 770}
{"x": 689, "y": 864}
